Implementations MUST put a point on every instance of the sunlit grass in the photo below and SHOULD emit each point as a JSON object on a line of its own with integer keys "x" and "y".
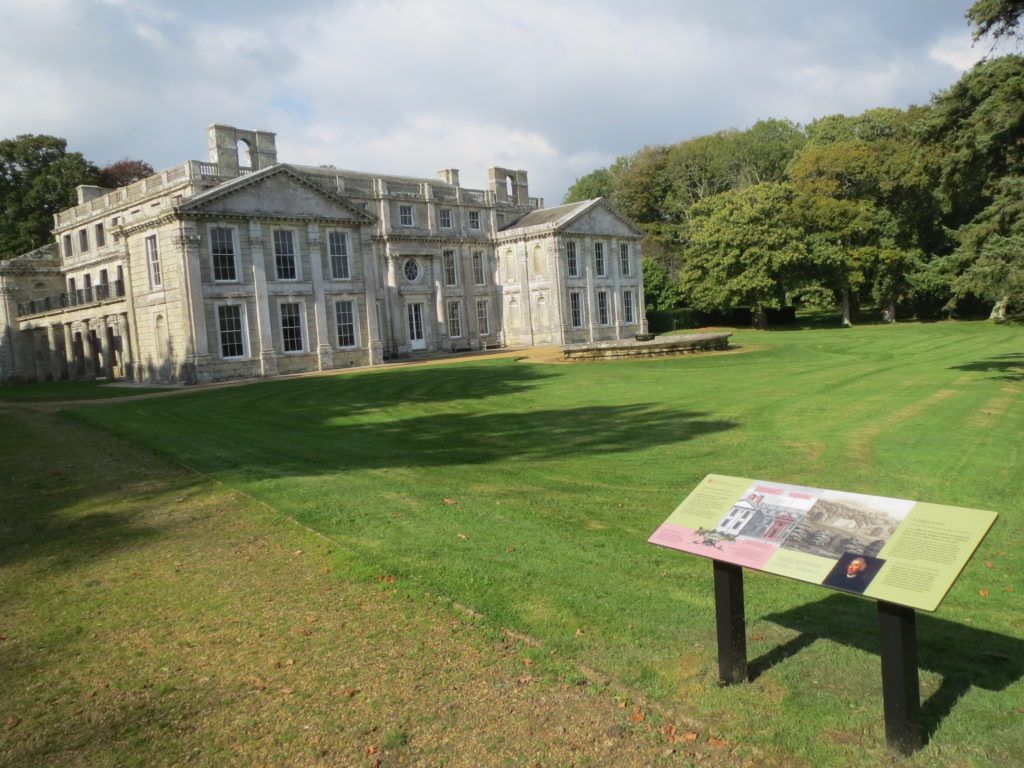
{"x": 526, "y": 492}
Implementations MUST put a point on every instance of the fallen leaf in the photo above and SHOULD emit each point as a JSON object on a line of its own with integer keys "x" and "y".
{"x": 297, "y": 552}
{"x": 449, "y": 502}
{"x": 350, "y": 692}
{"x": 524, "y": 679}
{"x": 622, "y": 704}
{"x": 510, "y": 549}
{"x": 757, "y": 637}
{"x": 989, "y": 564}
{"x": 527, "y": 661}
{"x": 579, "y": 633}
{"x": 669, "y": 732}
{"x": 302, "y": 631}
{"x": 690, "y": 736}
{"x": 463, "y": 536}
{"x": 12, "y": 722}
{"x": 638, "y": 716}
{"x": 717, "y": 742}
{"x": 372, "y": 749}
{"x": 983, "y": 592}
{"x": 388, "y": 579}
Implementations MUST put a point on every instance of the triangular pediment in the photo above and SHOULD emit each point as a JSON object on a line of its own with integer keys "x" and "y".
{"x": 600, "y": 219}
{"x": 277, "y": 192}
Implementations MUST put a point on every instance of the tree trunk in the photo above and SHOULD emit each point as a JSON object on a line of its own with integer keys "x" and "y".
{"x": 889, "y": 313}
{"x": 846, "y": 307}
{"x": 999, "y": 310}
{"x": 760, "y": 318}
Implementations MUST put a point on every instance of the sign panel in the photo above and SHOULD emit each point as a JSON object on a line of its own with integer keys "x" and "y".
{"x": 900, "y": 551}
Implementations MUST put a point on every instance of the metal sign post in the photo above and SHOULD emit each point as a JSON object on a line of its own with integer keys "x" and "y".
{"x": 897, "y": 629}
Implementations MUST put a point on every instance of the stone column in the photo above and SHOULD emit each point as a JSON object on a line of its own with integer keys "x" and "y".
{"x": 69, "y": 352}
{"x": 267, "y": 357}
{"x": 88, "y": 351}
{"x": 324, "y": 349}
{"x": 107, "y": 368}
{"x": 55, "y": 355}
{"x": 40, "y": 355}
{"x": 124, "y": 333}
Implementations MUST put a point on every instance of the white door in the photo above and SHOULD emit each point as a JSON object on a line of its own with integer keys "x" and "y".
{"x": 415, "y": 317}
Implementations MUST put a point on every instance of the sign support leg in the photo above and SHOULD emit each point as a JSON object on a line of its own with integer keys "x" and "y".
{"x": 731, "y": 623}
{"x": 901, "y": 690}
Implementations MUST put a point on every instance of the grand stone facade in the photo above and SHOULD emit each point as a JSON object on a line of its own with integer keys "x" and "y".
{"x": 243, "y": 266}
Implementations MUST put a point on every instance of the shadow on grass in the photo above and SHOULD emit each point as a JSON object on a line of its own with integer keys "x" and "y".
{"x": 427, "y": 418}
{"x": 442, "y": 439}
{"x": 965, "y": 657}
{"x": 1006, "y": 367}
{"x": 62, "y": 489}
{"x": 310, "y": 398}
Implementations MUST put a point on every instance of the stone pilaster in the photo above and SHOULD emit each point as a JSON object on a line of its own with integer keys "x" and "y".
{"x": 393, "y": 299}
{"x": 437, "y": 267}
{"x": 587, "y": 261}
{"x": 197, "y": 357}
{"x": 324, "y": 349}
{"x": 373, "y": 329}
{"x": 523, "y": 257}
{"x": 265, "y": 338}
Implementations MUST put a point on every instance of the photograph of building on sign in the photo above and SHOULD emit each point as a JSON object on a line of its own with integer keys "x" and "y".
{"x": 847, "y": 522}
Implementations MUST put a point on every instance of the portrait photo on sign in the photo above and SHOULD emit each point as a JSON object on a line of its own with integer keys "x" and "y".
{"x": 853, "y": 572}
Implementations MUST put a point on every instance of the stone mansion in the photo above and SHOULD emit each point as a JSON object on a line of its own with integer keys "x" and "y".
{"x": 243, "y": 266}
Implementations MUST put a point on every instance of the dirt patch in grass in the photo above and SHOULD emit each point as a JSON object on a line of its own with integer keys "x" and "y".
{"x": 995, "y": 408}
{"x": 861, "y": 439}
{"x": 150, "y": 617}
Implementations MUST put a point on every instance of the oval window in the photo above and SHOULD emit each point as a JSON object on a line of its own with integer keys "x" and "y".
{"x": 411, "y": 270}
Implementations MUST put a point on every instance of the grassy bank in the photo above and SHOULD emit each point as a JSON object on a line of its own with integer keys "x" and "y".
{"x": 526, "y": 492}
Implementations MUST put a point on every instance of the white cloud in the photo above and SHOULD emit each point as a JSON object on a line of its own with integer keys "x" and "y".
{"x": 409, "y": 86}
{"x": 957, "y": 51}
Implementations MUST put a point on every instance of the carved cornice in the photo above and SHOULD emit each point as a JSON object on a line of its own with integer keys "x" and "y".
{"x": 186, "y": 240}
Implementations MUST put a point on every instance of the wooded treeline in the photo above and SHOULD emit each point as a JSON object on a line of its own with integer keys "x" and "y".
{"x": 917, "y": 211}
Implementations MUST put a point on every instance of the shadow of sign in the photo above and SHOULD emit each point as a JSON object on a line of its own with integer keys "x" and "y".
{"x": 963, "y": 656}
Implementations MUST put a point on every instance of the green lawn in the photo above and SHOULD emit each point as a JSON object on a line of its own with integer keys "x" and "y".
{"x": 70, "y": 390}
{"x": 526, "y": 492}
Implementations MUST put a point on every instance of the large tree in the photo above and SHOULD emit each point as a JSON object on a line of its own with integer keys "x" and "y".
{"x": 868, "y": 187}
{"x": 978, "y": 127}
{"x": 999, "y": 18}
{"x": 746, "y": 249}
{"x": 989, "y": 262}
{"x": 38, "y": 177}
{"x": 123, "y": 172}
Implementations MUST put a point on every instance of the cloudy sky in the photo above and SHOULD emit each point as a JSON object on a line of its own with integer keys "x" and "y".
{"x": 410, "y": 86}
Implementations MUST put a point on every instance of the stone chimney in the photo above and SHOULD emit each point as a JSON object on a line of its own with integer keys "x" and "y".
{"x": 449, "y": 176}
{"x": 87, "y": 192}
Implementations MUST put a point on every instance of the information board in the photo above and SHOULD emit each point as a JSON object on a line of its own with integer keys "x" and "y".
{"x": 899, "y": 551}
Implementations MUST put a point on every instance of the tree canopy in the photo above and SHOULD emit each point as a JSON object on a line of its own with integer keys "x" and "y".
{"x": 38, "y": 177}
